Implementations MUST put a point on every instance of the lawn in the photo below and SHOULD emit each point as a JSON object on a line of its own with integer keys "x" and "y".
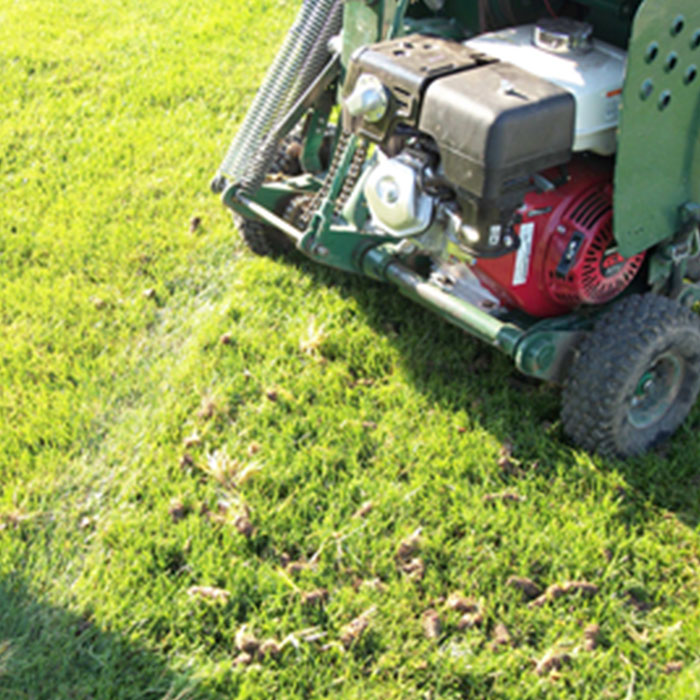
{"x": 230, "y": 477}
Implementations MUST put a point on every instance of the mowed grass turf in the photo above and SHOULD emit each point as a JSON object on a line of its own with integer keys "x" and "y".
{"x": 194, "y": 440}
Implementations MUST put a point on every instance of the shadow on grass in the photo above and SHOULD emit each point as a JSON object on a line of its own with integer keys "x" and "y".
{"x": 457, "y": 371}
{"x": 47, "y": 653}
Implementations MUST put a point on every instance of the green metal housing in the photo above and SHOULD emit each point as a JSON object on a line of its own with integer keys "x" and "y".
{"x": 657, "y": 174}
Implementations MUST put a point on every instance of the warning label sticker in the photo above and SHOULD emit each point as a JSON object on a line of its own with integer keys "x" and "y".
{"x": 521, "y": 271}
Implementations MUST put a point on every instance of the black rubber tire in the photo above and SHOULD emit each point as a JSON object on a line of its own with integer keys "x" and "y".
{"x": 262, "y": 239}
{"x": 692, "y": 271}
{"x": 267, "y": 240}
{"x": 288, "y": 158}
{"x": 638, "y": 338}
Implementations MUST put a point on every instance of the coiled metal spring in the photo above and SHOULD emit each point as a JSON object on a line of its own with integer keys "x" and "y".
{"x": 279, "y": 89}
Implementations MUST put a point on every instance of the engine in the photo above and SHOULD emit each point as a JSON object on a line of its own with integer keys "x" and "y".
{"x": 493, "y": 160}
{"x": 567, "y": 254}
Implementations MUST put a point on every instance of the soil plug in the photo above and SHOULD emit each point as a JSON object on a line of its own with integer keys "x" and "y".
{"x": 591, "y": 637}
{"x": 553, "y": 660}
{"x": 456, "y": 601}
{"x": 354, "y": 629}
{"x": 246, "y": 641}
{"x": 209, "y": 592}
{"x": 557, "y": 590}
{"x": 242, "y": 523}
{"x": 317, "y": 597}
{"x": 243, "y": 659}
{"x": 409, "y": 545}
{"x": 414, "y": 569}
{"x": 528, "y": 587}
{"x": 195, "y": 223}
{"x": 504, "y": 496}
{"x": 501, "y": 636}
{"x": 178, "y": 510}
{"x": 470, "y": 620}
{"x": 270, "y": 648}
{"x": 431, "y": 624}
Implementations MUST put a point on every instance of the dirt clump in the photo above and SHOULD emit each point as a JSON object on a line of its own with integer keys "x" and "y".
{"x": 557, "y": 590}
{"x": 246, "y": 641}
{"x": 317, "y": 597}
{"x": 409, "y": 545}
{"x": 528, "y": 587}
{"x": 500, "y": 637}
{"x": 553, "y": 660}
{"x": 355, "y": 628}
{"x": 504, "y": 497}
{"x": 209, "y": 593}
{"x": 432, "y": 626}
{"x": 591, "y": 636}
{"x": 460, "y": 603}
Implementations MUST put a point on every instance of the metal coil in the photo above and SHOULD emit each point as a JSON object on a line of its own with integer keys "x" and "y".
{"x": 313, "y": 65}
{"x": 278, "y": 88}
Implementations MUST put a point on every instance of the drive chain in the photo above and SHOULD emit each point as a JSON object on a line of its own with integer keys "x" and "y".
{"x": 353, "y": 175}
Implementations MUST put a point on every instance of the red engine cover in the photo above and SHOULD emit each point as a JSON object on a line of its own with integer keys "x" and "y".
{"x": 567, "y": 254}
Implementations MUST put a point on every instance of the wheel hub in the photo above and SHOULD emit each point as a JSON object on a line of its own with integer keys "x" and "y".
{"x": 656, "y": 391}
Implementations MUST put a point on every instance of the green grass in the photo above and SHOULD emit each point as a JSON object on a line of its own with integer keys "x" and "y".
{"x": 331, "y": 391}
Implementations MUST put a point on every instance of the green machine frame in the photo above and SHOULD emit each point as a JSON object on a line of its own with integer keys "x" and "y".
{"x": 657, "y": 171}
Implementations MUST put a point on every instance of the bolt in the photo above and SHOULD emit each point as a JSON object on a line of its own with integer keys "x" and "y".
{"x": 369, "y": 99}
{"x": 388, "y": 190}
{"x": 218, "y": 184}
{"x": 647, "y": 386}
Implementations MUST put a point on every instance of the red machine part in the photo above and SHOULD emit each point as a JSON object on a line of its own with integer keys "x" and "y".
{"x": 567, "y": 254}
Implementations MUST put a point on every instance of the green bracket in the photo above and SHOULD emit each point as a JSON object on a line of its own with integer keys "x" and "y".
{"x": 658, "y": 158}
{"x": 380, "y": 263}
{"x": 315, "y": 132}
{"x": 690, "y": 219}
{"x": 367, "y": 21}
{"x": 341, "y": 247}
{"x": 689, "y": 295}
{"x": 543, "y": 349}
{"x": 273, "y": 195}
{"x": 547, "y": 354}
{"x": 445, "y": 28}
{"x": 660, "y": 269}
{"x": 670, "y": 259}
{"x": 323, "y": 216}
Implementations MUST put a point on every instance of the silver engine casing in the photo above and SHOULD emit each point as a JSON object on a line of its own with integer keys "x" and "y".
{"x": 395, "y": 199}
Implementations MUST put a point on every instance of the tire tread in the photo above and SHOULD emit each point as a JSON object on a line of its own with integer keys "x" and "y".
{"x": 620, "y": 340}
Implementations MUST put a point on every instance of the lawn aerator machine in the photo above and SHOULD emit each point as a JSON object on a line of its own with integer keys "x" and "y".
{"x": 528, "y": 169}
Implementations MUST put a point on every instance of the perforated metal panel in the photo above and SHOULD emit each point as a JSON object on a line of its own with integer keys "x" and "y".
{"x": 658, "y": 162}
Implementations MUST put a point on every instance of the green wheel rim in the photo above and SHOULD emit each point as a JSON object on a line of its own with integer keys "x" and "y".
{"x": 656, "y": 390}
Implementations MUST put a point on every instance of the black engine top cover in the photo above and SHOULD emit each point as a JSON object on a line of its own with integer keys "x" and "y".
{"x": 406, "y": 67}
{"x": 494, "y": 124}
